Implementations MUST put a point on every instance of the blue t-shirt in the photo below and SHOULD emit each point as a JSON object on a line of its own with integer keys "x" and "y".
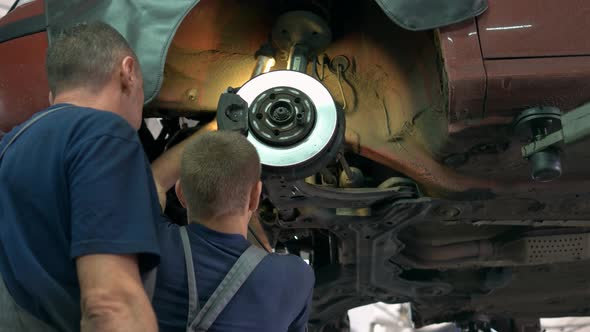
{"x": 76, "y": 182}
{"x": 275, "y": 297}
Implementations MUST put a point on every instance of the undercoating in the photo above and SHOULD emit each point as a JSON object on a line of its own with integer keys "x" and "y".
{"x": 444, "y": 213}
{"x": 471, "y": 183}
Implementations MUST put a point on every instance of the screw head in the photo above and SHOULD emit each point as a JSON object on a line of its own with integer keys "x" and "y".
{"x": 191, "y": 94}
{"x": 448, "y": 211}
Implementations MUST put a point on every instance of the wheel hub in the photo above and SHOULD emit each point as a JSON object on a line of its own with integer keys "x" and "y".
{"x": 292, "y": 120}
{"x": 282, "y": 116}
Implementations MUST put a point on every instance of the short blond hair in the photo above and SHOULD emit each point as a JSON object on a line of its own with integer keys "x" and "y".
{"x": 218, "y": 171}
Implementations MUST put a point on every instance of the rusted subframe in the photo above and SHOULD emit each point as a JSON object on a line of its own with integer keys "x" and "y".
{"x": 296, "y": 194}
{"x": 568, "y": 211}
{"x": 375, "y": 245}
{"x": 481, "y": 249}
{"x": 333, "y": 296}
{"x": 392, "y": 217}
{"x": 440, "y": 181}
{"x": 367, "y": 245}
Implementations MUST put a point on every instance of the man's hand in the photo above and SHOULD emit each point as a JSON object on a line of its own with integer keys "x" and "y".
{"x": 112, "y": 295}
{"x": 166, "y": 168}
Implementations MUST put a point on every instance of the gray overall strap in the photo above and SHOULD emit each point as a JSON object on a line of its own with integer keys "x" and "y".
{"x": 25, "y": 127}
{"x": 193, "y": 295}
{"x": 149, "y": 282}
{"x": 228, "y": 287}
{"x": 149, "y": 278}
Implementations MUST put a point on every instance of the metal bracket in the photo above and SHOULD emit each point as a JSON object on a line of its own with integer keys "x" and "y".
{"x": 550, "y": 130}
{"x": 575, "y": 125}
{"x": 232, "y": 112}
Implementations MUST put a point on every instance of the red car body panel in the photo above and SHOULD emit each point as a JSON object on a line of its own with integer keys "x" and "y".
{"x": 22, "y": 97}
{"x": 516, "y": 84}
{"x": 466, "y": 76}
{"x": 23, "y": 80}
{"x": 528, "y": 52}
{"x": 25, "y": 11}
{"x": 537, "y": 28}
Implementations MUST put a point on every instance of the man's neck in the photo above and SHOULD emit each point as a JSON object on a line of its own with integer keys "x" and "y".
{"x": 227, "y": 224}
{"x": 84, "y": 98}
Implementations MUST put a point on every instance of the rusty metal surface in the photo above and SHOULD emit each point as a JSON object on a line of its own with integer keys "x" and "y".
{"x": 465, "y": 79}
{"x": 516, "y": 84}
{"x": 415, "y": 104}
{"x": 397, "y": 112}
{"x": 213, "y": 49}
{"x": 489, "y": 179}
{"x": 479, "y": 145}
{"x": 531, "y": 28}
{"x": 558, "y": 290}
{"x": 23, "y": 81}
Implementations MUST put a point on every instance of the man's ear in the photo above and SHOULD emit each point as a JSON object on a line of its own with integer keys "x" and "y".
{"x": 51, "y": 99}
{"x": 180, "y": 194}
{"x": 129, "y": 74}
{"x": 255, "y": 196}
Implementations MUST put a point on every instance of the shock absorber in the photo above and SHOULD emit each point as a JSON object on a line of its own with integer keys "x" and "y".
{"x": 289, "y": 116}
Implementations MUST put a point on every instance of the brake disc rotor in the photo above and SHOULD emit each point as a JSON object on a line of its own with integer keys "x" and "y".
{"x": 292, "y": 118}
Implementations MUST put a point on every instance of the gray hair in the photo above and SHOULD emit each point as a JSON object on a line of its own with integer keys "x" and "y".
{"x": 85, "y": 55}
{"x": 218, "y": 171}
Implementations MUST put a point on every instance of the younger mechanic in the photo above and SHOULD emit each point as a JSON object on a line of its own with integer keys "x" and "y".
{"x": 220, "y": 186}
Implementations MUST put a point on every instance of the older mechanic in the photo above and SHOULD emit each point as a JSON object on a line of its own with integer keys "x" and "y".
{"x": 78, "y": 206}
{"x": 202, "y": 263}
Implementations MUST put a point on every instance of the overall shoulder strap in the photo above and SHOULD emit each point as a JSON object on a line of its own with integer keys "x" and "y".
{"x": 150, "y": 277}
{"x": 193, "y": 295}
{"x": 25, "y": 127}
{"x": 228, "y": 287}
{"x": 149, "y": 282}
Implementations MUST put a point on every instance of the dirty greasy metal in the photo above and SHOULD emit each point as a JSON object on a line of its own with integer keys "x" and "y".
{"x": 399, "y": 117}
{"x": 560, "y": 82}
{"x": 428, "y": 107}
{"x": 465, "y": 76}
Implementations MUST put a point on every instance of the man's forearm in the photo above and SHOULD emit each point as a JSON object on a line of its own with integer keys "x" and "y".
{"x": 134, "y": 315}
{"x": 166, "y": 168}
{"x": 112, "y": 297}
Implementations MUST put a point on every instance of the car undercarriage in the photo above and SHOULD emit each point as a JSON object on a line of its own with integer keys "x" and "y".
{"x": 414, "y": 206}
{"x": 390, "y": 156}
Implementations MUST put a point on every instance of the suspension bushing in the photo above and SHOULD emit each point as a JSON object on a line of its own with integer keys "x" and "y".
{"x": 533, "y": 125}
